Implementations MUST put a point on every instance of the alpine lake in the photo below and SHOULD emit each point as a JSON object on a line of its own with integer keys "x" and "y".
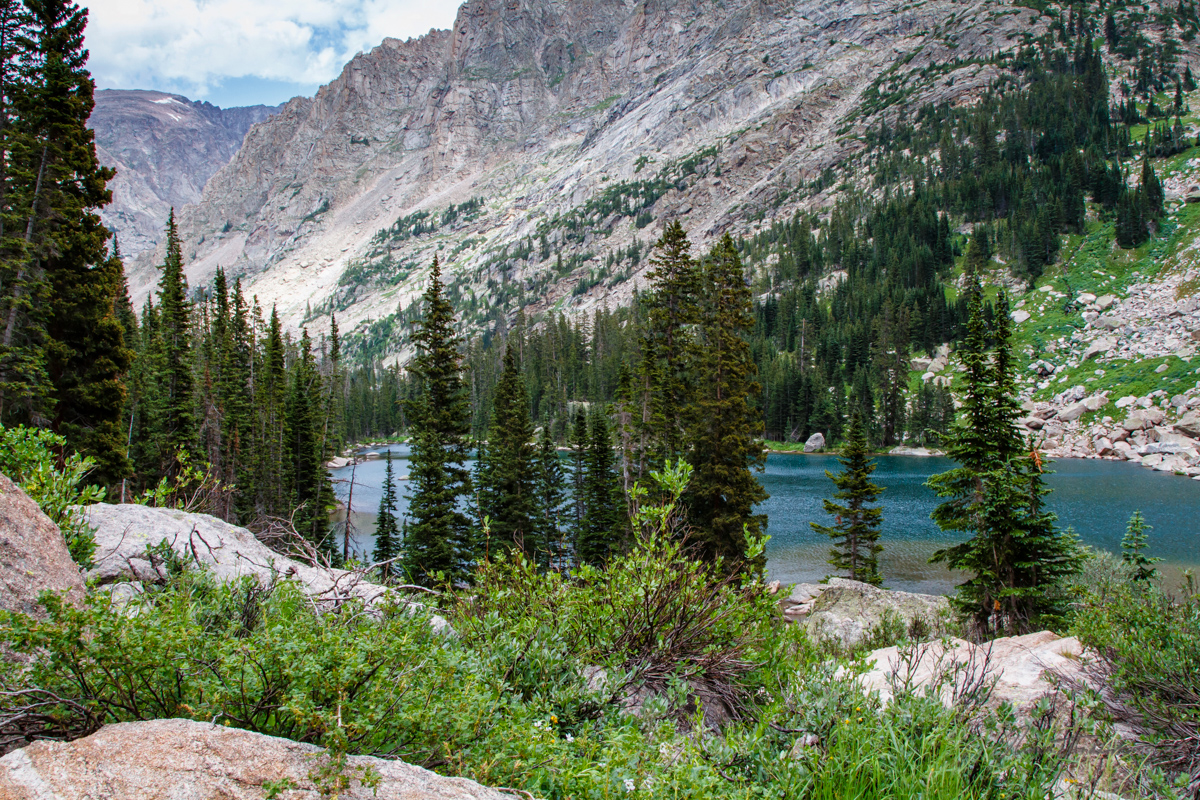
{"x": 1093, "y": 497}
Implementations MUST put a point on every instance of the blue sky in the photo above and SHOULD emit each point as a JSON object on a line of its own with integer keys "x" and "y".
{"x": 244, "y": 52}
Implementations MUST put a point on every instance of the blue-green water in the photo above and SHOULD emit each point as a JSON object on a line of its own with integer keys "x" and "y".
{"x": 1096, "y": 498}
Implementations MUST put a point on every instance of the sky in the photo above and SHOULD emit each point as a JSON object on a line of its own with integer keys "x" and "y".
{"x": 244, "y": 52}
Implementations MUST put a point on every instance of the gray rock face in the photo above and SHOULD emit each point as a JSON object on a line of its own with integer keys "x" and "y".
{"x": 848, "y": 611}
{"x": 179, "y": 758}
{"x": 815, "y": 443}
{"x": 1189, "y": 424}
{"x": 125, "y": 532}
{"x": 1021, "y": 666}
{"x": 33, "y": 554}
{"x": 541, "y": 106}
{"x": 164, "y": 148}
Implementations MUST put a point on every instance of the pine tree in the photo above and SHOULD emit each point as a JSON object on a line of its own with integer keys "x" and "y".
{"x": 312, "y": 494}
{"x": 511, "y": 489}
{"x": 387, "y": 532}
{"x": 603, "y": 522}
{"x": 672, "y": 309}
{"x": 855, "y": 531}
{"x": 1016, "y": 556}
{"x": 579, "y": 447}
{"x": 1133, "y": 543}
{"x": 724, "y": 425}
{"x": 179, "y": 430}
{"x": 551, "y": 496}
{"x": 438, "y": 538}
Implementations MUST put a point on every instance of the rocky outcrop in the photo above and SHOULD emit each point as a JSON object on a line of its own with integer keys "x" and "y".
{"x": 815, "y": 443}
{"x": 33, "y": 554}
{"x": 546, "y": 109}
{"x": 847, "y": 611}
{"x": 1022, "y": 668}
{"x": 126, "y": 536}
{"x": 164, "y": 148}
{"x": 178, "y": 758}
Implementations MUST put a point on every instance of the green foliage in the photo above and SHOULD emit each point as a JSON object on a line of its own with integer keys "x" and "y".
{"x": 1135, "y": 540}
{"x": 387, "y": 531}
{"x": 1148, "y": 648}
{"x": 34, "y": 459}
{"x": 1017, "y": 559}
{"x": 856, "y": 524}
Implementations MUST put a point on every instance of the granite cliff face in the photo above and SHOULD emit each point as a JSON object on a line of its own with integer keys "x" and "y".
{"x": 583, "y": 127}
{"x": 164, "y": 148}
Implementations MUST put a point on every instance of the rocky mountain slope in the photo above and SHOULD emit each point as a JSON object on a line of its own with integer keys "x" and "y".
{"x": 164, "y": 148}
{"x": 538, "y": 138}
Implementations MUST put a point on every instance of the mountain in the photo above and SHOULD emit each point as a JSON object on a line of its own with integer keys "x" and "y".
{"x": 571, "y": 131}
{"x": 164, "y": 148}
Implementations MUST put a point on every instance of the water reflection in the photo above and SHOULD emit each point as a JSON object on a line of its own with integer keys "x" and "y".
{"x": 1094, "y": 497}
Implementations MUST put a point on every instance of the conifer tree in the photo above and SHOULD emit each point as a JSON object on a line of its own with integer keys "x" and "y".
{"x": 855, "y": 531}
{"x": 724, "y": 425}
{"x": 579, "y": 448}
{"x": 271, "y": 476}
{"x": 551, "y": 499}
{"x": 511, "y": 490}
{"x": 387, "y": 532}
{"x": 179, "y": 404}
{"x": 1133, "y": 543}
{"x": 312, "y": 495}
{"x": 438, "y": 538}
{"x": 603, "y": 524}
{"x": 672, "y": 309}
{"x": 1015, "y": 555}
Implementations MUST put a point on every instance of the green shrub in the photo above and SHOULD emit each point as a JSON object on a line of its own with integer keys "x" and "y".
{"x": 31, "y": 458}
{"x": 1148, "y": 647}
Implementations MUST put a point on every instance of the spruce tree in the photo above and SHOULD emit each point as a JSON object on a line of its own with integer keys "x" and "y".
{"x": 724, "y": 424}
{"x": 1133, "y": 543}
{"x": 579, "y": 446}
{"x": 672, "y": 309}
{"x": 551, "y": 496}
{"x": 1016, "y": 557}
{"x": 855, "y": 532}
{"x": 312, "y": 495}
{"x": 438, "y": 538}
{"x": 511, "y": 489}
{"x": 179, "y": 432}
{"x": 603, "y": 525}
{"x": 387, "y": 532}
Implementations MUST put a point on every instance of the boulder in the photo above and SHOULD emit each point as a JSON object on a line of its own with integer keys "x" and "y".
{"x": 1142, "y": 419}
{"x": 124, "y": 534}
{"x": 1098, "y": 347}
{"x": 1095, "y": 402}
{"x": 1189, "y": 424}
{"x": 1019, "y": 316}
{"x": 1021, "y": 666}
{"x": 33, "y": 554}
{"x": 1104, "y": 302}
{"x": 180, "y": 758}
{"x": 1073, "y": 411}
{"x": 913, "y": 451}
{"x": 815, "y": 443}
{"x": 847, "y": 611}
{"x": 1171, "y": 464}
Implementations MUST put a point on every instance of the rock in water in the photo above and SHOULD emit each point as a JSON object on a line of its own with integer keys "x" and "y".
{"x": 179, "y": 758}
{"x": 33, "y": 554}
{"x": 815, "y": 443}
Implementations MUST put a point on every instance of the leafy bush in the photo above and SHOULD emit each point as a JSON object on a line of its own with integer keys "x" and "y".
{"x": 1148, "y": 644}
{"x": 31, "y": 458}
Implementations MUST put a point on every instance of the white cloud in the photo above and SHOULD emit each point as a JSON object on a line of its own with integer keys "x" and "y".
{"x": 193, "y": 46}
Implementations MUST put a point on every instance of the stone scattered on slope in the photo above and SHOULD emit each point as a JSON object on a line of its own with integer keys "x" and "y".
{"x": 178, "y": 758}
{"x": 849, "y": 611}
{"x": 124, "y": 534}
{"x": 1020, "y": 665}
{"x": 33, "y": 554}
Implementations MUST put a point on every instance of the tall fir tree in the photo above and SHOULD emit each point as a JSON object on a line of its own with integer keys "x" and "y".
{"x": 1016, "y": 557}
{"x": 438, "y": 541}
{"x": 179, "y": 432}
{"x": 551, "y": 498}
{"x": 855, "y": 532}
{"x": 312, "y": 495}
{"x": 387, "y": 531}
{"x": 724, "y": 424}
{"x": 511, "y": 485}
{"x": 603, "y": 525}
